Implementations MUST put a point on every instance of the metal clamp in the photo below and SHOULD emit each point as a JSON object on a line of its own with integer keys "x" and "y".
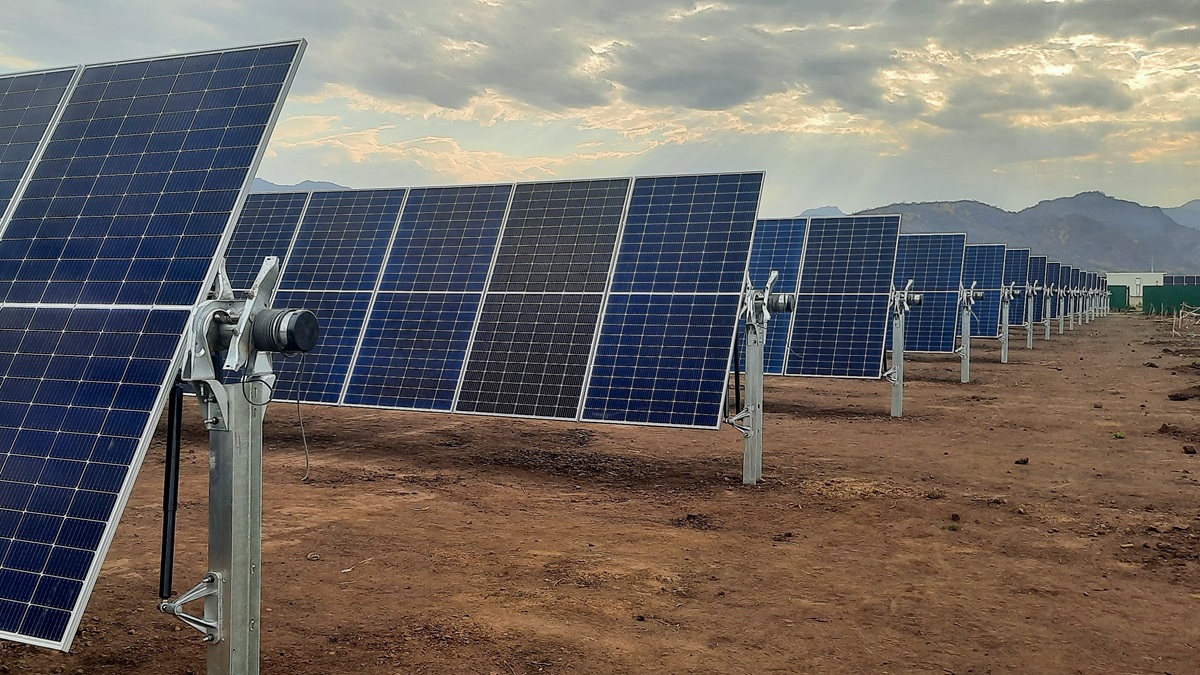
{"x": 211, "y": 586}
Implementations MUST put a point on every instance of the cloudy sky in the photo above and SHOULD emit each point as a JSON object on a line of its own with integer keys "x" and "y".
{"x": 856, "y": 103}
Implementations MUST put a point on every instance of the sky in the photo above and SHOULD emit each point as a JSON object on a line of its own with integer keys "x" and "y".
{"x": 853, "y": 103}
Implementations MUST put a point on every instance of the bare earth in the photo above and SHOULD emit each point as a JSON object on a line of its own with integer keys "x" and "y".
{"x": 428, "y": 543}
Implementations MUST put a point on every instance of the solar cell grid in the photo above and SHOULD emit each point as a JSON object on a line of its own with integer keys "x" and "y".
{"x": 417, "y": 335}
{"x": 266, "y": 227}
{"x": 28, "y": 103}
{"x": 342, "y": 241}
{"x": 1037, "y": 275}
{"x": 1053, "y": 271}
{"x": 686, "y": 245}
{"x": 1016, "y": 270}
{"x": 840, "y": 324}
{"x": 126, "y": 210}
{"x": 531, "y": 345}
{"x": 934, "y": 263}
{"x": 983, "y": 266}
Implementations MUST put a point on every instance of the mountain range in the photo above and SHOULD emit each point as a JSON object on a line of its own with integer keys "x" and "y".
{"x": 1090, "y": 230}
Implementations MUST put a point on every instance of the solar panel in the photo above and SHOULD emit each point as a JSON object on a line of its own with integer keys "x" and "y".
{"x": 267, "y": 225}
{"x": 1037, "y": 275}
{"x": 539, "y": 316}
{"x": 934, "y": 263}
{"x": 778, "y": 245}
{"x": 128, "y": 207}
{"x": 1016, "y": 270}
{"x": 983, "y": 266}
{"x": 1077, "y": 278}
{"x": 417, "y": 336}
{"x": 28, "y": 104}
{"x": 663, "y": 352}
{"x": 1065, "y": 273}
{"x": 1053, "y": 271}
{"x": 333, "y": 270}
{"x": 840, "y": 323}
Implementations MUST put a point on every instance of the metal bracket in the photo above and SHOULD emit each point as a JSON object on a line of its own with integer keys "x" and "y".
{"x": 212, "y": 585}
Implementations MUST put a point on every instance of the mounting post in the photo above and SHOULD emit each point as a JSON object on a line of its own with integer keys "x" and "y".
{"x": 1071, "y": 298}
{"x": 1062, "y": 309}
{"x": 234, "y": 336}
{"x": 967, "y": 298}
{"x": 1047, "y": 298}
{"x": 757, "y": 307}
{"x": 1030, "y": 291}
{"x": 901, "y": 302}
{"x": 1006, "y": 296}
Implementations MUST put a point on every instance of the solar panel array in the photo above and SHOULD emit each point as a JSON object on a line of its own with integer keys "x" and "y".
{"x": 983, "y": 266}
{"x": 609, "y": 300}
{"x": 110, "y": 241}
{"x": 934, "y": 263}
{"x": 1037, "y": 276}
{"x": 1016, "y": 270}
{"x": 839, "y": 326}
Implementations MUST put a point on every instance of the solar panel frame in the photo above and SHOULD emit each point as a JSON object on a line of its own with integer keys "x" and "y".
{"x": 54, "y": 632}
{"x": 936, "y": 272}
{"x": 849, "y": 359}
{"x": 983, "y": 265}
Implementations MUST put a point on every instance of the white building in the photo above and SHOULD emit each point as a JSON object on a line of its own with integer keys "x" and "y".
{"x": 1135, "y": 281}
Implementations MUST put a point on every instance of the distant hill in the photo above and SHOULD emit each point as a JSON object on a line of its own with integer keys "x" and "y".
{"x": 1187, "y": 215}
{"x": 1090, "y": 230}
{"x": 261, "y": 185}
{"x": 823, "y": 211}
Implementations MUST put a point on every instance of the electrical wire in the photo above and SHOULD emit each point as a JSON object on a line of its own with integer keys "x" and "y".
{"x": 300, "y": 419}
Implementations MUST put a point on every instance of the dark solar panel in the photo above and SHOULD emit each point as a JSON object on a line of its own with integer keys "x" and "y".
{"x": 534, "y": 337}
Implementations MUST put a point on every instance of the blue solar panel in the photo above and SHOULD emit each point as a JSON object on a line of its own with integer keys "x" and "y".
{"x": 778, "y": 245}
{"x": 840, "y": 324}
{"x": 1053, "y": 270}
{"x": 934, "y": 263}
{"x": 983, "y": 266}
{"x": 1037, "y": 274}
{"x": 664, "y": 348}
{"x": 266, "y": 226}
{"x": 416, "y": 339}
{"x": 333, "y": 269}
{"x": 28, "y": 103}
{"x": 132, "y": 196}
{"x": 127, "y": 207}
{"x": 1016, "y": 270}
{"x": 538, "y": 321}
{"x": 1076, "y": 279}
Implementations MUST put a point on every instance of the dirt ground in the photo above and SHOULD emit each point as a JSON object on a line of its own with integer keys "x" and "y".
{"x": 428, "y": 543}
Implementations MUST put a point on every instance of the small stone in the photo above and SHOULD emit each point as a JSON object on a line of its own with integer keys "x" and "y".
{"x": 1097, "y": 405}
{"x": 639, "y": 617}
{"x": 1151, "y": 364}
{"x": 1189, "y": 449}
{"x": 1023, "y": 460}
{"x": 955, "y": 517}
{"x": 313, "y": 556}
{"x": 1021, "y": 511}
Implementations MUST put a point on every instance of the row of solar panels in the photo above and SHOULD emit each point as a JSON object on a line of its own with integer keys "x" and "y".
{"x": 1181, "y": 280}
{"x": 844, "y": 269}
